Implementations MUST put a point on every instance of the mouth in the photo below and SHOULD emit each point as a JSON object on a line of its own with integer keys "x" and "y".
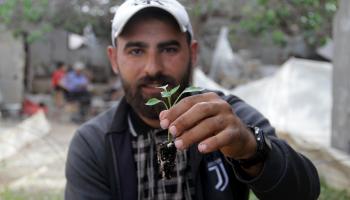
{"x": 152, "y": 85}
{"x": 151, "y": 89}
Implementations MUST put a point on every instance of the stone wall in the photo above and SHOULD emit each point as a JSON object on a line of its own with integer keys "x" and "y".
{"x": 341, "y": 80}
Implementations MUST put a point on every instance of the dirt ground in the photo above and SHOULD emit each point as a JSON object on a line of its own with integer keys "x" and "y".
{"x": 39, "y": 166}
{"x": 36, "y": 170}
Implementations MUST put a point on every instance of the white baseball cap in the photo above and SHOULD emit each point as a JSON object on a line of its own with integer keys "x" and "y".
{"x": 130, "y": 7}
{"x": 78, "y": 66}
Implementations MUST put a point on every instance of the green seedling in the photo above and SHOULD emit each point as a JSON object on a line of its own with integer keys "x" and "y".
{"x": 166, "y": 151}
{"x": 167, "y": 101}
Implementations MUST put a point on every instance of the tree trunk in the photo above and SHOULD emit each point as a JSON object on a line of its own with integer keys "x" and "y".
{"x": 27, "y": 70}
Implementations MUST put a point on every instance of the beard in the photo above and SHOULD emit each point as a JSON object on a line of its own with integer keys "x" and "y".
{"x": 137, "y": 100}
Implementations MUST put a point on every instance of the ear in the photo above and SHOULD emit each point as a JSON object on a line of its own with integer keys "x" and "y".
{"x": 194, "y": 52}
{"x": 112, "y": 56}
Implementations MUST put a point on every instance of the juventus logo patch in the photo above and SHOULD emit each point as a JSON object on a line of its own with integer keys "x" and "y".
{"x": 217, "y": 167}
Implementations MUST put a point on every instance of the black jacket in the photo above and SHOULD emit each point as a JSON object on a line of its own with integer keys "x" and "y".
{"x": 100, "y": 164}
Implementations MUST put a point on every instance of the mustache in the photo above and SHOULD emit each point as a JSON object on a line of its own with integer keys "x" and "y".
{"x": 159, "y": 79}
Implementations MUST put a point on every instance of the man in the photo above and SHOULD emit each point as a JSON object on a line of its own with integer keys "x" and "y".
{"x": 76, "y": 87}
{"x": 225, "y": 147}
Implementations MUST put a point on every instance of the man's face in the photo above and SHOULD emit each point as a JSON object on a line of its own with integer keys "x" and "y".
{"x": 152, "y": 53}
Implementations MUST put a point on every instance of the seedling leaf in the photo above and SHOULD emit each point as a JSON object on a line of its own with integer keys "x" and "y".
{"x": 153, "y": 101}
{"x": 174, "y": 90}
{"x": 163, "y": 87}
{"x": 165, "y": 94}
{"x": 192, "y": 89}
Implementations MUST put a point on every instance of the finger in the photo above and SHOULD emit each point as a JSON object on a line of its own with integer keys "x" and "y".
{"x": 168, "y": 116}
{"x": 227, "y": 137}
{"x": 206, "y": 128}
{"x": 193, "y": 116}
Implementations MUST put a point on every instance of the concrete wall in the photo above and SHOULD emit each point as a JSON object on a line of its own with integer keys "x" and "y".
{"x": 54, "y": 47}
{"x": 341, "y": 80}
{"x": 11, "y": 68}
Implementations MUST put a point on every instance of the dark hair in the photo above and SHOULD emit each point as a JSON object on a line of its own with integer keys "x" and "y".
{"x": 59, "y": 64}
{"x": 157, "y": 14}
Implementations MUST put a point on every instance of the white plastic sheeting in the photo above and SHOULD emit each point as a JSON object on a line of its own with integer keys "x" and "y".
{"x": 201, "y": 80}
{"x": 31, "y": 129}
{"x": 225, "y": 61}
{"x": 327, "y": 51}
{"x": 0, "y": 97}
{"x": 297, "y": 99}
{"x": 75, "y": 41}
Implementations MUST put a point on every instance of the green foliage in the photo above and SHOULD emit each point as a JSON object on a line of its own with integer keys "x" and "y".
{"x": 312, "y": 19}
{"x": 200, "y": 8}
{"x": 25, "y": 18}
{"x": 6, "y": 11}
{"x": 279, "y": 37}
{"x": 9, "y": 194}
{"x": 33, "y": 11}
{"x": 327, "y": 193}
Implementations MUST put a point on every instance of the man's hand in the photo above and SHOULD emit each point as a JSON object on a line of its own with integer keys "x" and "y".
{"x": 209, "y": 121}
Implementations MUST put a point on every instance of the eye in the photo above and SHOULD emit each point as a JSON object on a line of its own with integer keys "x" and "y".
{"x": 136, "y": 52}
{"x": 170, "y": 50}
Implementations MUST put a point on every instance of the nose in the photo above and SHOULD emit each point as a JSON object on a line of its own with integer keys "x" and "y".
{"x": 154, "y": 64}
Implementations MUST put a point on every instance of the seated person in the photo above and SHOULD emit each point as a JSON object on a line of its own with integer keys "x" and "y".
{"x": 76, "y": 86}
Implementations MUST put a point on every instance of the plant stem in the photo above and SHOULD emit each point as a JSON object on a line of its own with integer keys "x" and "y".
{"x": 169, "y": 138}
{"x": 178, "y": 97}
{"x": 169, "y": 102}
{"x": 166, "y": 106}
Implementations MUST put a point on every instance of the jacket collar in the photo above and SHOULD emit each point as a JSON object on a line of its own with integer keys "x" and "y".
{"x": 120, "y": 122}
{"x": 195, "y": 160}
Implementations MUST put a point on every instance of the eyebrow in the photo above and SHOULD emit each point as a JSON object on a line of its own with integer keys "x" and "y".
{"x": 135, "y": 44}
{"x": 168, "y": 43}
{"x": 161, "y": 45}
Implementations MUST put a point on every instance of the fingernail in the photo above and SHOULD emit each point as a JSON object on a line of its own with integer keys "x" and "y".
{"x": 162, "y": 114}
{"x": 179, "y": 143}
{"x": 164, "y": 123}
{"x": 202, "y": 148}
{"x": 173, "y": 131}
